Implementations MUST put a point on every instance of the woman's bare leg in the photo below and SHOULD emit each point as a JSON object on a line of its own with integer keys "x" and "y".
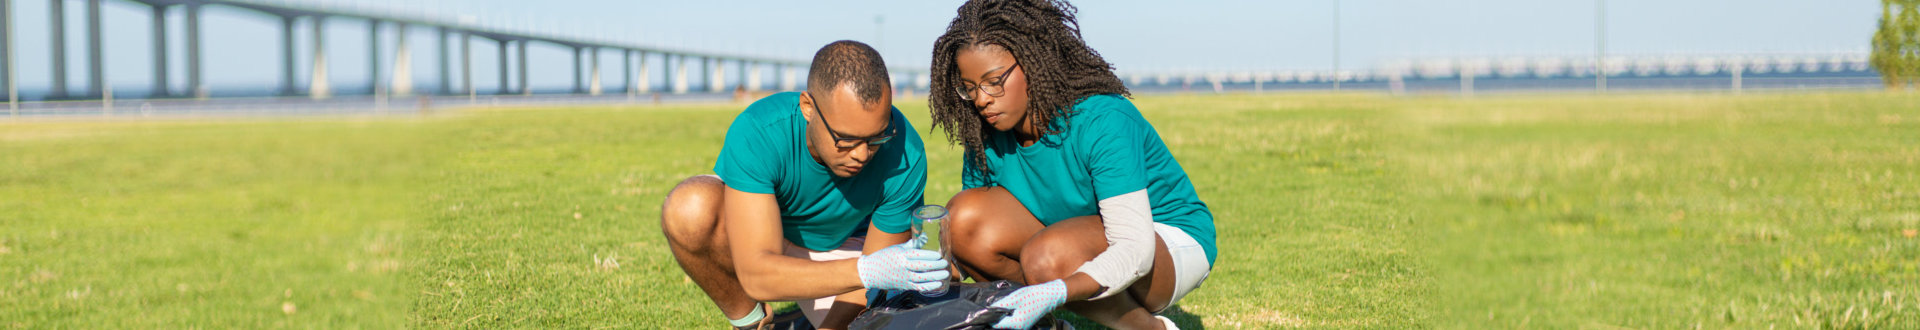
{"x": 986, "y": 229}
{"x": 994, "y": 237}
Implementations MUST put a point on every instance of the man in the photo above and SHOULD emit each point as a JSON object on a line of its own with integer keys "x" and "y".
{"x": 811, "y": 200}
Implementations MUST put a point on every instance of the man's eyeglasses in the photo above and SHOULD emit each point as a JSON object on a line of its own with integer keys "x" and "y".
{"x": 995, "y": 87}
{"x": 846, "y": 142}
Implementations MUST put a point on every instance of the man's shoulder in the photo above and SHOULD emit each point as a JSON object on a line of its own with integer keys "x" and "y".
{"x": 775, "y": 108}
{"x": 758, "y": 142}
{"x": 908, "y": 135}
{"x": 905, "y": 152}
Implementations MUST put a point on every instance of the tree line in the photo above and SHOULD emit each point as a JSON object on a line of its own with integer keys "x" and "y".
{"x": 1896, "y": 44}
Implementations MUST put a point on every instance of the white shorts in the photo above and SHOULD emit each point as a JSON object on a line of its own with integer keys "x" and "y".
{"x": 816, "y": 309}
{"x": 1190, "y": 266}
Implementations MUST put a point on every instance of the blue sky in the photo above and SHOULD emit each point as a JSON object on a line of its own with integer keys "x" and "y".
{"x": 242, "y": 47}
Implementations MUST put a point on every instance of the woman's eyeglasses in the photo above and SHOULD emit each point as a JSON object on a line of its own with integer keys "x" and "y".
{"x": 994, "y": 88}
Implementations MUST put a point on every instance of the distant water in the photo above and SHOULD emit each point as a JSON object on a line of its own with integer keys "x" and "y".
{"x": 1720, "y": 81}
{"x": 1716, "y": 82}
{"x": 41, "y": 93}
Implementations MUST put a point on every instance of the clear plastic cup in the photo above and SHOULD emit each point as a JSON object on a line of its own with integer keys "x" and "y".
{"x": 929, "y": 224}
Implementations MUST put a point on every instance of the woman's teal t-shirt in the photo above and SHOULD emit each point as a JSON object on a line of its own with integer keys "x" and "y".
{"x": 1104, "y": 149}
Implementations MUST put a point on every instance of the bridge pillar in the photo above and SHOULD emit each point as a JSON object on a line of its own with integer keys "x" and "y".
{"x": 577, "y": 74}
{"x": 6, "y": 58}
{"x": 160, "y": 51}
{"x": 373, "y": 57}
{"x": 466, "y": 65}
{"x": 717, "y": 81}
{"x": 706, "y": 72}
{"x": 287, "y": 87}
{"x": 740, "y": 79}
{"x": 59, "y": 29}
{"x": 96, "y": 75}
{"x": 318, "y": 88}
{"x": 1466, "y": 79}
{"x": 194, "y": 84}
{"x": 525, "y": 89}
{"x": 593, "y": 87}
{"x": 643, "y": 82}
{"x": 504, "y": 88}
{"x": 626, "y": 70}
{"x": 679, "y": 74}
{"x": 753, "y": 79}
{"x": 787, "y": 78}
{"x": 402, "y": 84}
{"x": 1737, "y": 68}
{"x": 446, "y": 65}
{"x": 1396, "y": 83}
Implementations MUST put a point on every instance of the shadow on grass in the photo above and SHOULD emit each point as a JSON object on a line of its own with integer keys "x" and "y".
{"x": 1180, "y": 317}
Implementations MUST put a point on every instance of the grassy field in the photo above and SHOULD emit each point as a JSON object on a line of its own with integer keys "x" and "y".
{"x": 1670, "y": 211}
{"x": 1636, "y": 211}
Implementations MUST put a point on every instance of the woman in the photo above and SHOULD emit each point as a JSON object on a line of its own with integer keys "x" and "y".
{"x": 1067, "y": 188}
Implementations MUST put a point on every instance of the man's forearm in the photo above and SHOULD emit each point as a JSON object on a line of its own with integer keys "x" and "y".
{"x": 777, "y": 277}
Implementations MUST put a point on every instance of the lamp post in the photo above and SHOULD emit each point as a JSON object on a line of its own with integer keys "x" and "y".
{"x": 1336, "y": 45}
{"x": 1600, "y": 48}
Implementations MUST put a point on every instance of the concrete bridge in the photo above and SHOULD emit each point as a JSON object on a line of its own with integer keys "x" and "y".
{"x": 455, "y": 38}
{"x": 1732, "y": 71}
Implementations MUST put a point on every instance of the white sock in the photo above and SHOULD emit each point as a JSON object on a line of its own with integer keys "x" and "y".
{"x": 751, "y": 318}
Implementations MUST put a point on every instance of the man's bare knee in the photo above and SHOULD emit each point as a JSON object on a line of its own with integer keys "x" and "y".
{"x": 690, "y": 215}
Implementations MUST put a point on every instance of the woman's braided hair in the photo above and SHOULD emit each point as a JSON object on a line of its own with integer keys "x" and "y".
{"x": 1045, "y": 41}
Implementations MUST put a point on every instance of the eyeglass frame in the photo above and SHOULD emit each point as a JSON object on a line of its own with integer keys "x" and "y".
{"x": 885, "y": 136}
{"x": 966, "y": 93}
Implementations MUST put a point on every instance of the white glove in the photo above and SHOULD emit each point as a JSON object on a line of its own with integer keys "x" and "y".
{"x": 903, "y": 267}
{"x": 1030, "y": 303}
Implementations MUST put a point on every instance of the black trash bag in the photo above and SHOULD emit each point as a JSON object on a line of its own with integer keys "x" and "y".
{"x": 964, "y": 306}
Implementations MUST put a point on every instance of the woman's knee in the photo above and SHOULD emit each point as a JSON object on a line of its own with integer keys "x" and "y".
{"x": 1047, "y": 260}
{"x": 969, "y": 213}
{"x": 986, "y": 228}
{"x": 1058, "y": 251}
{"x": 969, "y": 207}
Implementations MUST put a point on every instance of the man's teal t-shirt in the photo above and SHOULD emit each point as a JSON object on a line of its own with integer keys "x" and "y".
{"x": 766, "y": 153}
{"x": 1104, "y": 149}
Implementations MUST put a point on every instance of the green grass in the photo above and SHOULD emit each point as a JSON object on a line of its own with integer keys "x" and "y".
{"x": 174, "y": 225}
{"x": 1672, "y": 211}
{"x": 1639, "y": 211}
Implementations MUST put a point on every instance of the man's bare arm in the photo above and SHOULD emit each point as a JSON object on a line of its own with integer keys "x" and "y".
{"x": 856, "y": 301}
{"x": 754, "y": 232}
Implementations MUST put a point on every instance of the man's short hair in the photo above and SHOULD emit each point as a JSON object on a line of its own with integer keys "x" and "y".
{"x": 848, "y": 62}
